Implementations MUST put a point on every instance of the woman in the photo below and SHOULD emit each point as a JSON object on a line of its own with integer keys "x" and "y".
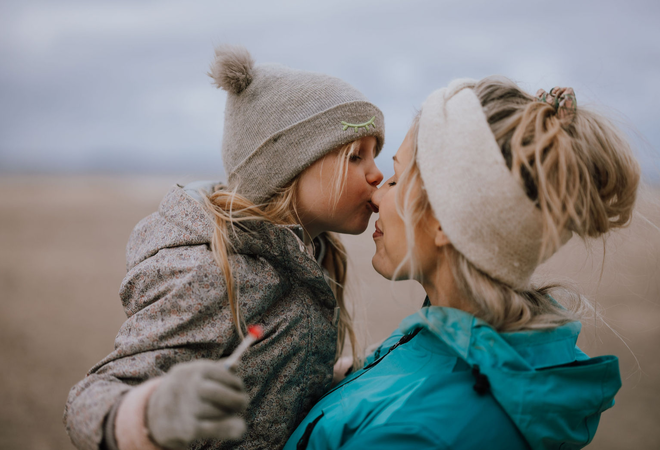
{"x": 488, "y": 183}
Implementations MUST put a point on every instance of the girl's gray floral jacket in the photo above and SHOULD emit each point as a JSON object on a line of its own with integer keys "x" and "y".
{"x": 175, "y": 299}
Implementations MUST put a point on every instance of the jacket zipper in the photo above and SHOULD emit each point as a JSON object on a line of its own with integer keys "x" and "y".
{"x": 403, "y": 340}
{"x": 304, "y": 440}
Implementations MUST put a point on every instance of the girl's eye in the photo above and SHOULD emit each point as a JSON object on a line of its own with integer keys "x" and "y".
{"x": 355, "y": 158}
{"x": 391, "y": 183}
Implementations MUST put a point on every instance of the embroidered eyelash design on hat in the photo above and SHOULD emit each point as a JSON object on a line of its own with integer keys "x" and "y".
{"x": 355, "y": 126}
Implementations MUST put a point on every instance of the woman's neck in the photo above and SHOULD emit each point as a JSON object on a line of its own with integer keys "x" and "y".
{"x": 442, "y": 291}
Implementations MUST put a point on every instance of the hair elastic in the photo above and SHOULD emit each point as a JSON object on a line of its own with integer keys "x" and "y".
{"x": 563, "y": 101}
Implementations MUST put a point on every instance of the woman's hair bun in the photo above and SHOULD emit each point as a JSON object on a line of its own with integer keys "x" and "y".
{"x": 232, "y": 68}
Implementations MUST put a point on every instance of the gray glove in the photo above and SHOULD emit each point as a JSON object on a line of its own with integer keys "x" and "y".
{"x": 196, "y": 400}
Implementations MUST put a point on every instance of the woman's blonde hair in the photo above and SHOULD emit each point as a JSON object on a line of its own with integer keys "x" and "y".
{"x": 229, "y": 208}
{"x": 580, "y": 172}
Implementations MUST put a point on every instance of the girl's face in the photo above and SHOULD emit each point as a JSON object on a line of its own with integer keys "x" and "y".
{"x": 390, "y": 234}
{"x": 315, "y": 194}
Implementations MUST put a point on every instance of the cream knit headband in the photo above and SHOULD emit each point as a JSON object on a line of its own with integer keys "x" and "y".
{"x": 482, "y": 209}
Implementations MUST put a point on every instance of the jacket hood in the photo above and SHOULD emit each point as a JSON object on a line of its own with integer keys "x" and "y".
{"x": 182, "y": 220}
{"x": 552, "y": 391}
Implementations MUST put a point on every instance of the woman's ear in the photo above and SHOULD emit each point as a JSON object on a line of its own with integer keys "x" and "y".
{"x": 440, "y": 237}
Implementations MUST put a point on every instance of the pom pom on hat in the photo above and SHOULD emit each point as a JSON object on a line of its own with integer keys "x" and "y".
{"x": 232, "y": 68}
{"x": 279, "y": 120}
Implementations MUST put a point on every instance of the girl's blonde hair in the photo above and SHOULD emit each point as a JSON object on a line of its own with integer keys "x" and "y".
{"x": 580, "y": 172}
{"x": 229, "y": 208}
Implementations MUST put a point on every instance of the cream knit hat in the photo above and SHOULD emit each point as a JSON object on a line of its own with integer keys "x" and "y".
{"x": 482, "y": 209}
{"x": 278, "y": 120}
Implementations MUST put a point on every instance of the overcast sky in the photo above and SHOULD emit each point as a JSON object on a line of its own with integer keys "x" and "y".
{"x": 121, "y": 86}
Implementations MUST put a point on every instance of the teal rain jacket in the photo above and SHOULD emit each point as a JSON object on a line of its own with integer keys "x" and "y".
{"x": 447, "y": 380}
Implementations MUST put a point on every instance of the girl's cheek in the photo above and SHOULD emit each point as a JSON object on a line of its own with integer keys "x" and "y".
{"x": 360, "y": 186}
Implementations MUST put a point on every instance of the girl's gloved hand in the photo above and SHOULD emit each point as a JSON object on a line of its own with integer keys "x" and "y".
{"x": 196, "y": 400}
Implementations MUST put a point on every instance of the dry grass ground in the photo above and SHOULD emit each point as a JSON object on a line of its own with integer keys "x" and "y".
{"x": 62, "y": 259}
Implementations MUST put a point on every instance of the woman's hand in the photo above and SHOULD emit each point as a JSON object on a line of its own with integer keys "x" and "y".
{"x": 342, "y": 366}
{"x": 196, "y": 400}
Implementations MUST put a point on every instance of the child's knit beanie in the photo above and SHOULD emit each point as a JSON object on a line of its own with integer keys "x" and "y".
{"x": 278, "y": 120}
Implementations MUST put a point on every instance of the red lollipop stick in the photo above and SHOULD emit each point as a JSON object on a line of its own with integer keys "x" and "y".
{"x": 255, "y": 332}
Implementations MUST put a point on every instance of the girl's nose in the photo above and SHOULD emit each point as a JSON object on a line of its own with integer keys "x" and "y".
{"x": 374, "y": 176}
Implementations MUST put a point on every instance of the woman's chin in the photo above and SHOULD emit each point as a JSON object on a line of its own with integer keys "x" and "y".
{"x": 378, "y": 267}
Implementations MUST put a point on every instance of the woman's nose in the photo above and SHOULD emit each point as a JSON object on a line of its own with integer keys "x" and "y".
{"x": 375, "y": 198}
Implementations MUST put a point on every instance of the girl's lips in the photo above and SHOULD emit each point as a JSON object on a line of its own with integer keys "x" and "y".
{"x": 377, "y": 233}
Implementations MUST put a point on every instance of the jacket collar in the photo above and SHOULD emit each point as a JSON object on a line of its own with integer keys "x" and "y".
{"x": 192, "y": 195}
{"x": 469, "y": 336}
{"x": 557, "y": 407}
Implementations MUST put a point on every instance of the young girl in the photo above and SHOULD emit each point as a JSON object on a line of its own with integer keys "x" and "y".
{"x": 299, "y": 151}
{"x": 488, "y": 183}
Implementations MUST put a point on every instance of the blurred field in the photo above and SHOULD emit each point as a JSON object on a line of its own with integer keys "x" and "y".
{"x": 62, "y": 243}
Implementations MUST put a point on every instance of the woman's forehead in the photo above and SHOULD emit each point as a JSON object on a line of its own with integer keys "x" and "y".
{"x": 404, "y": 153}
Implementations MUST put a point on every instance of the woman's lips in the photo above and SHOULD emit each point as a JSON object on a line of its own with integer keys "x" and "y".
{"x": 377, "y": 233}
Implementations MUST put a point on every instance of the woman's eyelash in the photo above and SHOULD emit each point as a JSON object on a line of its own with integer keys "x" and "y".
{"x": 391, "y": 183}
{"x": 355, "y": 158}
